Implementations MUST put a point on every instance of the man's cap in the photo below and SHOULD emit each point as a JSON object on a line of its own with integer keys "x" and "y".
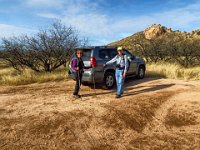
{"x": 119, "y": 48}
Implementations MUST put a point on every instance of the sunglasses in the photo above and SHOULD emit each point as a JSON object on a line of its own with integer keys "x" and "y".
{"x": 79, "y": 53}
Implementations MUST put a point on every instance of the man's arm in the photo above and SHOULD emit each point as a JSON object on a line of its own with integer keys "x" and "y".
{"x": 112, "y": 60}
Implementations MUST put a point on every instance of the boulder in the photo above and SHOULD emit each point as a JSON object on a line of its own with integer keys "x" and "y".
{"x": 155, "y": 31}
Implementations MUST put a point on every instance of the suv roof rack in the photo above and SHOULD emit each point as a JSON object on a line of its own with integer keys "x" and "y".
{"x": 105, "y": 46}
{"x": 90, "y": 47}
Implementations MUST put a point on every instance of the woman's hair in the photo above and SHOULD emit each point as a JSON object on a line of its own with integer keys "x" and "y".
{"x": 79, "y": 50}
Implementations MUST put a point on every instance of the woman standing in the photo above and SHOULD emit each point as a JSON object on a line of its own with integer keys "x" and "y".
{"x": 77, "y": 66}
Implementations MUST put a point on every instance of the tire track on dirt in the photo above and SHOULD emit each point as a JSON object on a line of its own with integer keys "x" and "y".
{"x": 179, "y": 132}
{"x": 158, "y": 124}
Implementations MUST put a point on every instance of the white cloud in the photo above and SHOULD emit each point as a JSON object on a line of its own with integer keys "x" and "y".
{"x": 92, "y": 22}
{"x": 98, "y": 25}
{"x": 181, "y": 18}
{"x": 10, "y": 30}
{"x": 48, "y": 15}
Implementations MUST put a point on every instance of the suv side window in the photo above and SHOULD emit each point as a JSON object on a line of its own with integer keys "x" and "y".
{"x": 113, "y": 53}
{"x": 103, "y": 54}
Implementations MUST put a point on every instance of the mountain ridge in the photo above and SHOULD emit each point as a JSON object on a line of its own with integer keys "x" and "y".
{"x": 152, "y": 32}
{"x": 158, "y": 43}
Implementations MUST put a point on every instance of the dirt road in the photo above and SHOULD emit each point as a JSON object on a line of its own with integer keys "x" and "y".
{"x": 152, "y": 114}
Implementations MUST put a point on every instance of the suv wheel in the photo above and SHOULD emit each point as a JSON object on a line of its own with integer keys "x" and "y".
{"x": 141, "y": 72}
{"x": 109, "y": 80}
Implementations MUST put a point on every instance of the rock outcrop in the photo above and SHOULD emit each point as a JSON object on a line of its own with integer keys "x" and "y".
{"x": 155, "y": 31}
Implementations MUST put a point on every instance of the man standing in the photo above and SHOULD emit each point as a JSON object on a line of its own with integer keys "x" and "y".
{"x": 121, "y": 70}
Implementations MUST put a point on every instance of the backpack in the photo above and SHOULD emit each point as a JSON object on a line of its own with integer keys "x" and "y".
{"x": 71, "y": 71}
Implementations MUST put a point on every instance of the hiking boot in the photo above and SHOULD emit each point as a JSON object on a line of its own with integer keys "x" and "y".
{"x": 118, "y": 96}
{"x": 77, "y": 96}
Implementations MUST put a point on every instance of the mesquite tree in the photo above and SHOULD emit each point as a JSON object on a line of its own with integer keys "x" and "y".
{"x": 44, "y": 51}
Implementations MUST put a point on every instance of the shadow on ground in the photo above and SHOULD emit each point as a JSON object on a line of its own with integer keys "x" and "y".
{"x": 130, "y": 84}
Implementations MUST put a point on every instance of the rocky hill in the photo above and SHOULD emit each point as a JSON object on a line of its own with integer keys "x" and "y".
{"x": 151, "y": 33}
{"x": 161, "y": 43}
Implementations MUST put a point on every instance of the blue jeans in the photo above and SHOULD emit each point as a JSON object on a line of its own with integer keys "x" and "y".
{"x": 120, "y": 81}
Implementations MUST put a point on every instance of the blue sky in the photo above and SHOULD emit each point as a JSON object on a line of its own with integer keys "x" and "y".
{"x": 102, "y": 21}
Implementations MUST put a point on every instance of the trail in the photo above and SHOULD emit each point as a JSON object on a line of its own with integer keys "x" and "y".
{"x": 152, "y": 114}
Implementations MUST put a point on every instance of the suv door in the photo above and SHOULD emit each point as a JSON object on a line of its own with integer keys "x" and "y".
{"x": 133, "y": 65}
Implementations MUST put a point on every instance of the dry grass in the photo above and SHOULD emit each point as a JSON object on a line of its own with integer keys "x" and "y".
{"x": 9, "y": 76}
{"x": 173, "y": 71}
{"x": 3, "y": 64}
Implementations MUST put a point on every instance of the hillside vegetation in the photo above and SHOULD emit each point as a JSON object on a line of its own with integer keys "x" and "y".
{"x": 158, "y": 43}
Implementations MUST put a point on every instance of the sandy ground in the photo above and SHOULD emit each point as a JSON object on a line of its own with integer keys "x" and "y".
{"x": 152, "y": 114}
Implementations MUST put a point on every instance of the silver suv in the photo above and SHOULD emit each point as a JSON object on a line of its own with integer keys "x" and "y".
{"x": 98, "y": 56}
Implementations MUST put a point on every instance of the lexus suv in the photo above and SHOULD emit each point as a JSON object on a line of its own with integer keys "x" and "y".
{"x": 97, "y": 56}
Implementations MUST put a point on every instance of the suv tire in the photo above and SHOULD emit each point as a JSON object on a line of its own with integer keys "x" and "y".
{"x": 141, "y": 72}
{"x": 109, "y": 80}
